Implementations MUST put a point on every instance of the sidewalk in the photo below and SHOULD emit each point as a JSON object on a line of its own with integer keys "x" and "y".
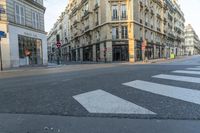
{"x": 21, "y": 123}
{"x": 79, "y": 64}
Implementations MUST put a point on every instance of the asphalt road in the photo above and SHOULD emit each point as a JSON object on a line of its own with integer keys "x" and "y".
{"x": 102, "y": 98}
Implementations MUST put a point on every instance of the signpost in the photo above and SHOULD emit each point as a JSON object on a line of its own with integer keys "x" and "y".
{"x": 2, "y": 35}
{"x": 144, "y": 44}
{"x": 58, "y": 44}
{"x": 2, "y": 10}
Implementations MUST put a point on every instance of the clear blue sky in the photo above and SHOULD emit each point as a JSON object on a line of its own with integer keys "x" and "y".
{"x": 191, "y": 9}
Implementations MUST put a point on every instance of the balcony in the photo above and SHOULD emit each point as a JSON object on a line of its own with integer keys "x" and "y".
{"x": 152, "y": 12}
{"x": 75, "y": 23}
{"x": 115, "y": 18}
{"x": 158, "y": 16}
{"x": 146, "y": 8}
{"x": 124, "y": 17}
{"x": 75, "y": 34}
{"x": 141, "y": 21}
{"x": 171, "y": 35}
{"x": 97, "y": 23}
{"x": 86, "y": 13}
{"x": 87, "y": 28}
{"x": 141, "y": 4}
{"x": 158, "y": 29}
{"x": 165, "y": 20}
{"x": 96, "y": 6}
{"x": 114, "y": 37}
{"x": 83, "y": 1}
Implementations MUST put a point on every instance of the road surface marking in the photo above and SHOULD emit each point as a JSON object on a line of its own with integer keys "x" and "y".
{"x": 178, "y": 78}
{"x": 187, "y": 72}
{"x": 100, "y": 101}
{"x": 184, "y": 94}
{"x": 197, "y": 69}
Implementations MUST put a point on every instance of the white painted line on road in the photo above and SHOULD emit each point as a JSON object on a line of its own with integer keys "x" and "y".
{"x": 100, "y": 101}
{"x": 187, "y": 72}
{"x": 197, "y": 69}
{"x": 184, "y": 94}
{"x": 178, "y": 78}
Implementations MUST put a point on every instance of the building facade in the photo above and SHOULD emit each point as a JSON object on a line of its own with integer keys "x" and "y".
{"x": 26, "y": 42}
{"x": 192, "y": 42}
{"x": 123, "y": 30}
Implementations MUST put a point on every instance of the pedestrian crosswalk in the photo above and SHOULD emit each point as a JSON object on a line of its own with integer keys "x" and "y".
{"x": 178, "y": 78}
{"x": 184, "y": 94}
{"x": 102, "y": 102}
{"x": 187, "y": 72}
{"x": 197, "y": 68}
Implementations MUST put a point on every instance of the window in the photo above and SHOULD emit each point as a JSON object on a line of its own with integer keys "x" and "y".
{"x": 124, "y": 32}
{"x": 97, "y": 18}
{"x": 123, "y": 11}
{"x": 97, "y": 2}
{"x": 19, "y": 14}
{"x": 115, "y": 12}
{"x": 115, "y": 33}
{"x": 35, "y": 20}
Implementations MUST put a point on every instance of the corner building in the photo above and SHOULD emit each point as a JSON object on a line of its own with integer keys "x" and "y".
{"x": 24, "y": 26}
{"x": 114, "y": 30}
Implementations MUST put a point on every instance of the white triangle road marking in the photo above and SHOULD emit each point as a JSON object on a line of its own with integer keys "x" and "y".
{"x": 99, "y": 101}
{"x": 178, "y": 78}
{"x": 184, "y": 94}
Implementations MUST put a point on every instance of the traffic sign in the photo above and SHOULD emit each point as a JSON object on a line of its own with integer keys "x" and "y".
{"x": 2, "y": 34}
{"x": 58, "y": 44}
{"x": 2, "y": 10}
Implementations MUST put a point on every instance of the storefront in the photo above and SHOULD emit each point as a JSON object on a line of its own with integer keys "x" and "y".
{"x": 26, "y": 47}
{"x": 120, "y": 52}
{"x": 149, "y": 53}
{"x": 138, "y": 51}
{"x": 98, "y": 53}
{"x": 30, "y": 51}
{"x": 88, "y": 53}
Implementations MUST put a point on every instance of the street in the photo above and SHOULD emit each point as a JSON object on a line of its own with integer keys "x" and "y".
{"x": 97, "y": 98}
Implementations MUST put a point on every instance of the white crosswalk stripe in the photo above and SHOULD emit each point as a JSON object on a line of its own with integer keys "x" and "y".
{"x": 184, "y": 94}
{"x": 100, "y": 101}
{"x": 197, "y": 69}
{"x": 187, "y": 72}
{"x": 178, "y": 78}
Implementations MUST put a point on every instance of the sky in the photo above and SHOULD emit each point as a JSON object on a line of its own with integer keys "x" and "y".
{"x": 53, "y": 11}
{"x": 189, "y": 7}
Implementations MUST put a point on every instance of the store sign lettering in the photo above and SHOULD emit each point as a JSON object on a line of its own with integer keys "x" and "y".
{"x": 30, "y": 34}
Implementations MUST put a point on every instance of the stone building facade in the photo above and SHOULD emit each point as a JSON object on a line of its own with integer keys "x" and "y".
{"x": 26, "y": 42}
{"x": 114, "y": 30}
{"x": 192, "y": 42}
